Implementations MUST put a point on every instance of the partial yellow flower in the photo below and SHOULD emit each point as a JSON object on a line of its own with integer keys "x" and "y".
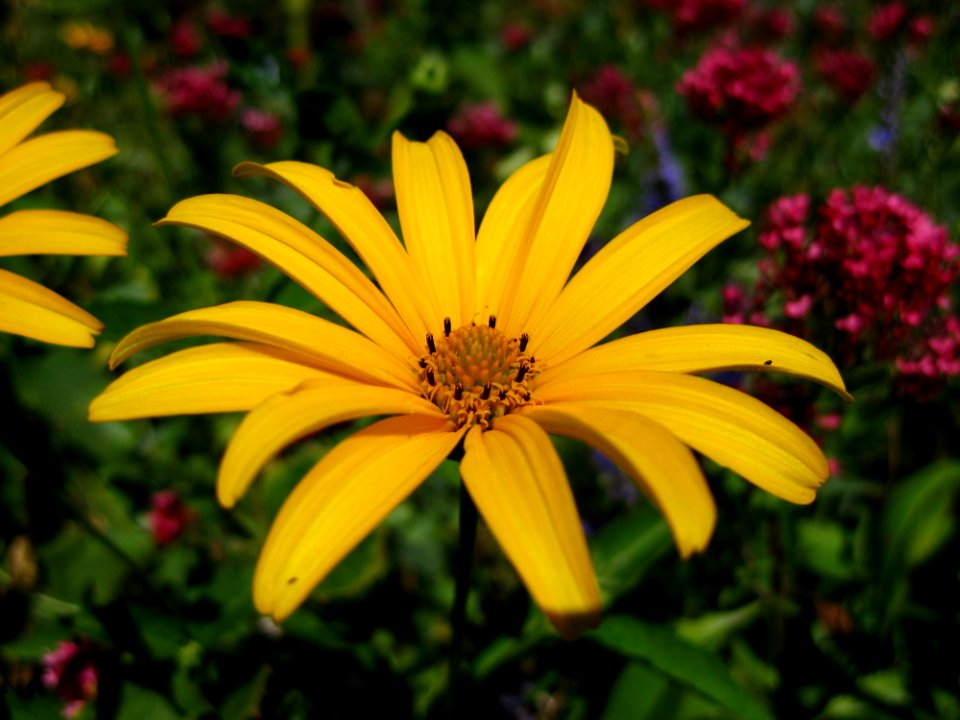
{"x": 27, "y": 308}
{"x": 479, "y": 338}
{"x": 82, "y": 35}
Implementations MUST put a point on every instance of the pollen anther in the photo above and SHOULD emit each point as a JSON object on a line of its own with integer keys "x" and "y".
{"x": 476, "y": 374}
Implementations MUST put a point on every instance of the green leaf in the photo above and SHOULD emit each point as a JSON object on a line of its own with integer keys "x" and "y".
{"x": 917, "y": 520}
{"x": 692, "y": 666}
{"x": 624, "y": 550}
{"x": 244, "y": 702}
{"x": 640, "y": 693}
{"x": 711, "y": 630}
{"x": 138, "y": 703}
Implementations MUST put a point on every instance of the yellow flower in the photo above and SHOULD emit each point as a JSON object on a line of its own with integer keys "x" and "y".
{"x": 27, "y": 308}
{"x": 472, "y": 337}
{"x": 81, "y": 35}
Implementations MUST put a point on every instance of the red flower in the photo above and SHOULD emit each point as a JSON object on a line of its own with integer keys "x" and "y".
{"x": 200, "y": 91}
{"x": 264, "y": 129}
{"x": 482, "y": 125}
{"x": 887, "y": 20}
{"x": 168, "y": 516}
{"x": 830, "y": 23}
{"x": 741, "y": 88}
{"x": 228, "y": 260}
{"x": 515, "y": 36}
{"x": 690, "y": 16}
{"x": 222, "y": 23}
{"x": 871, "y": 271}
{"x": 849, "y": 72}
{"x": 185, "y": 39}
{"x": 70, "y": 671}
{"x": 614, "y": 95}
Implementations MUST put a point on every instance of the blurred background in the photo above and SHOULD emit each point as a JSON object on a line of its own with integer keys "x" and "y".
{"x": 833, "y": 126}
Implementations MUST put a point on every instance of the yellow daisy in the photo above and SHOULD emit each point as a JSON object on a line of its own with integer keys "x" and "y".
{"x": 476, "y": 338}
{"x": 27, "y": 308}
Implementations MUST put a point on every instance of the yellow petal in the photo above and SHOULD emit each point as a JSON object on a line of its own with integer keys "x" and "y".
{"x": 570, "y": 200}
{"x": 302, "y": 411}
{"x": 517, "y": 481}
{"x": 56, "y": 232}
{"x": 303, "y": 255}
{"x": 22, "y": 110}
{"x": 364, "y": 229}
{"x": 42, "y": 159}
{"x": 658, "y": 462}
{"x": 33, "y": 311}
{"x": 629, "y": 272}
{"x": 221, "y": 377}
{"x": 341, "y": 500}
{"x": 734, "y": 429}
{"x": 505, "y": 220}
{"x": 331, "y": 347}
{"x": 703, "y": 349}
{"x": 436, "y": 214}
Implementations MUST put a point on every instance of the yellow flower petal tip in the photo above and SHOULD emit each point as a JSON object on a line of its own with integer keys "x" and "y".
{"x": 484, "y": 339}
{"x": 29, "y": 309}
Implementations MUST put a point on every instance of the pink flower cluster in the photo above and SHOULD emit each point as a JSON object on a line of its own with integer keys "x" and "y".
{"x": 741, "y": 89}
{"x": 70, "y": 671}
{"x": 482, "y": 125}
{"x": 868, "y": 276}
{"x": 199, "y": 91}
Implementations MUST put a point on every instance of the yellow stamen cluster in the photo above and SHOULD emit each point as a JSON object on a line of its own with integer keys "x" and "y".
{"x": 475, "y": 373}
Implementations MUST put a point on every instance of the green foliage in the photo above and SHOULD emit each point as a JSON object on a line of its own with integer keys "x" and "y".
{"x": 846, "y": 608}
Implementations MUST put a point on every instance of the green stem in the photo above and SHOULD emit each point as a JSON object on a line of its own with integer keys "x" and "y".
{"x": 458, "y": 620}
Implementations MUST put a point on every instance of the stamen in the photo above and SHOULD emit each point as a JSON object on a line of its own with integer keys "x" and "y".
{"x": 524, "y": 339}
{"x": 486, "y": 392}
{"x": 422, "y": 363}
{"x": 492, "y": 322}
{"x": 503, "y": 394}
{"x": 522, "y": 371}
{"x": 447, "y": 326}
{"x": 430, "y": 343}
{"x": 431, "y": 378}
{"x": 458, "y": 392}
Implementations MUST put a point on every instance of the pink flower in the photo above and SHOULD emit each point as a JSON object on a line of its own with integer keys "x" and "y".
{"x": 482, "y": 125}
{"x": 849, "y": 72}
{"x": 202, "y": 92}
{"x": 741, "y": 88}
{"x": 515, "y": 36}
{"x": 378, "y": 190}
{"x": 887, "y": 20}
{"x": 614, "y": 95}
{"x": 185, "y": 39}
{"x": 830, "y": 23}
{"x": 228, "y": 260}
{"x": 690, "y": 16}
{"x": 222, "y": 23}
{"x": 264, "y": 129}
{"x": 878, "y": 271}
{"x": 169, "y": 516}
{"x": 70, "y": 671}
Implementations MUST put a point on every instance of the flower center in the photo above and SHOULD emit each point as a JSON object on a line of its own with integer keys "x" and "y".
{"x": 476, "y": 373}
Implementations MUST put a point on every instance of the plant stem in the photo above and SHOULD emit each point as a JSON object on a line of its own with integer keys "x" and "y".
{"x": 464, "y": 566}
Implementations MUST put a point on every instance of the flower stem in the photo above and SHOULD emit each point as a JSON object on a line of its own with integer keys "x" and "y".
{"x": 458, "y": 614}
